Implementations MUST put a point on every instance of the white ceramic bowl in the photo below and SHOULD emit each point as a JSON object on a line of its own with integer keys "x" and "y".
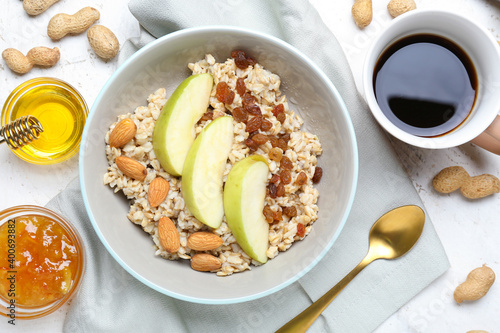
{"x": 163, "y": 63}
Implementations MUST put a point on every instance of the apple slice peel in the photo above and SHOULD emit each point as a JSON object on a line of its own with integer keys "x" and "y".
{"x": 174, "y": 131}
{"x": 202, "y": 176}
{"x": 244, "y": 199}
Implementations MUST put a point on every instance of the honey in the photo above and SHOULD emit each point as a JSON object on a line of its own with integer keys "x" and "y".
{"x": 41, "y": 264}
{"x": 61, "y": 111}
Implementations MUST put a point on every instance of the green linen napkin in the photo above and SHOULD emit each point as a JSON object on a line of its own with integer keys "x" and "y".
{"x": 112, "y": 300}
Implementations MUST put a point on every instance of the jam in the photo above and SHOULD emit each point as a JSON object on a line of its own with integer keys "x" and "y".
{"x": 39, "y": 261}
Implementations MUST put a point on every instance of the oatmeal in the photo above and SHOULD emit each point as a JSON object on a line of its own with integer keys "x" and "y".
{"x": 264, "y": 125}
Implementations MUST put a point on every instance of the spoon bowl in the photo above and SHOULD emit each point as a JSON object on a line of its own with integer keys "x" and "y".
{"x": 391, "y": 236}
{"x": 395, "y": 232}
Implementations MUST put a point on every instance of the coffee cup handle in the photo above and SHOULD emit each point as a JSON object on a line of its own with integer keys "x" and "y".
{"x": 490, "y": 138}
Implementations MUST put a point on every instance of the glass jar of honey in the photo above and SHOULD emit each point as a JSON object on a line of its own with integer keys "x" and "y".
{"x": 60, "y": 109}
{"x": 42, "y": 261}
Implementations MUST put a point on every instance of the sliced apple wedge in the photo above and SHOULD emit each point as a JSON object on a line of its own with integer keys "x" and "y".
{"x": 203, "y": 171}
{"x": 244, "y": 195}
{"x": 174, "y": 131}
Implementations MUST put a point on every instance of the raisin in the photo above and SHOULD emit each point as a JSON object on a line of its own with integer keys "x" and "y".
{"x": 301, "y": 178}
{"x": 253, "y": 109}
{"x": 272, "y": 190}
{"x": 285, "y": 176}
{"x": 251, "y": 61}
{"x": 278, "y": 109}
{"x": 266, "y": 125}
{"x": 240, "y": 114}
{"x": 290, "y": 211}
{"x": 275, "y": 154}
{"x": 248, "y": 99}
{"x": 223, "y": 93}
{"x": 274, "y": 141}
{"x": 274, "y": 179}
{"x": 301, "y": 230}
{"x": 229, "y": 97}
{"x": 251, "y": 144}
{"x": 318, "y": 173}
{"x": 251, "y": 134}
{"x": 282, "y": 144}
{"x": 209, "y": 115}
{"x": 254, "y": 124}
{"x": 281, "y": 117}
{"x": 280, "y": 190}
{"x": 240, "y": 86}
{"x": 285, "y": 137}
{"x": 286, "y": 163}
{"x": 260, "y": 138}
{"x": 240, "y": 59}
{"x": 268, "y": 214}
{"x": 220, "y": 91}
{"x": 277, "y": 216}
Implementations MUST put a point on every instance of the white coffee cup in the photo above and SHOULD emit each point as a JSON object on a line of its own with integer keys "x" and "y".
{"x": 482, "y": 126}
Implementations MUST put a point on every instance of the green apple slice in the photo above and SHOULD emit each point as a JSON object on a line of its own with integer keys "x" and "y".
{"x": 244, "y": 195}
{"x": 174, "y": 131}
{"x": 204, "y": 169}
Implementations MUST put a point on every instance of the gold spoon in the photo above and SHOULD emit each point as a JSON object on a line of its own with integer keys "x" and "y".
{"x": 391, "y": 236}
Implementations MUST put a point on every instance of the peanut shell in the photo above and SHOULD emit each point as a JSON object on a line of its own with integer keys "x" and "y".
{"x": 362, "y": 12}
{"x": 477, "y": 284}
{"x": 36, "y": 7}
{"x": 103, "y": 41}
{"x": 63, "y": 24}
{"x": 398, "y": 7}
{"x": 450, "y": 179}
{"x": 44, "y": 56}
{"x": 480, "y": 186}
{"x": 16, "y": 61}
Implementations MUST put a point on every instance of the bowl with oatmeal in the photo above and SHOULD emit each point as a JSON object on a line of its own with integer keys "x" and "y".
{"x": 216, "y": 157}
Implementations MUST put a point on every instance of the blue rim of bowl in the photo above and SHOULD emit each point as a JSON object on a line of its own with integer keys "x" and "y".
{"x": 282, "y": 285}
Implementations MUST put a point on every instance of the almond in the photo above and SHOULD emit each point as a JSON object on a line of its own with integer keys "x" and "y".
{"x": 204, "y": 241}
{"x": 158, "y": 191}
{"x": 123, "y": 132}
{"x": 205, "y": 262}
{"x": 169, "y": 236}
{"x": 131, "y": 168}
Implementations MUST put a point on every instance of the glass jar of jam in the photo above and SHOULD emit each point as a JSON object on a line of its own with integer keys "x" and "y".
{"x": 42, "y": 261}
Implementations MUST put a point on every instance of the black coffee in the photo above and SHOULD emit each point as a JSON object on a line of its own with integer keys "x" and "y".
{"x": 425, "y": 84}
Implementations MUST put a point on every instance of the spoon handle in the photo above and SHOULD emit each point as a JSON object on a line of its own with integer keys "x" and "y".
{"x": 305, "y": 319}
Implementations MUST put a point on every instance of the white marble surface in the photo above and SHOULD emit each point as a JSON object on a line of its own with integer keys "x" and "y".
{"x": 469, "y": 230}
